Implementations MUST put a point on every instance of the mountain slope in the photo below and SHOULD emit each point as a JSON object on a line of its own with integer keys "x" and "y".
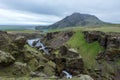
{"x": 76, "y": 19}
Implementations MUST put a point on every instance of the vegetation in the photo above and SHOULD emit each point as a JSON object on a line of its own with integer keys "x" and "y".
{"x": 88, "y": 51}
{"x": 23, "y": 31}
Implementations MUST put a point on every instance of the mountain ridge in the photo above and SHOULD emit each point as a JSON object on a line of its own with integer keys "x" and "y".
{"x": 76, "y": 19}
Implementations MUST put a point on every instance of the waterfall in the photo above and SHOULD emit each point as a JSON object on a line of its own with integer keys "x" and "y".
{"x": 38, "y": 44}
{"x": 68, "y": 75}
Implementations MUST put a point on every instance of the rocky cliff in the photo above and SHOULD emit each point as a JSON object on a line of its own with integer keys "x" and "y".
{"x": 108, "y": 60}
{"x": 18, "y": 59}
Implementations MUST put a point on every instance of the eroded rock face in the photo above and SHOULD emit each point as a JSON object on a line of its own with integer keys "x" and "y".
{"x": 108, "y": 60}
{"x": 109, "y": 54}
{"x": 113, "y": 41}
{"x": 6, "y": 58}
{"x": 92, "y": 36}
{"x": 107, "y": 40}
{"x": 110, "y": 41}
{"x": 57, "y": 39}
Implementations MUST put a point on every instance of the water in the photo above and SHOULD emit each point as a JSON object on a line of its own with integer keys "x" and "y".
{"x": 30, "y": 42}
{"x": 68, "y": 75}
{"x": 38, "y": 44}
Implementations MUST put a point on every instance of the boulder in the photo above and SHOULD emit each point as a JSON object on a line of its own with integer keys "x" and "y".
{"x": 6, "y": 58}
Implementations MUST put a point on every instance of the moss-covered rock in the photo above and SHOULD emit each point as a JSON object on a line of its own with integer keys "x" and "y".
{"x": 20, "y": 69}
{"x": 6, "y": 58}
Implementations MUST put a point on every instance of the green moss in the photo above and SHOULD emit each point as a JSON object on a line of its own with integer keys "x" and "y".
{"x": 88, "y": 51}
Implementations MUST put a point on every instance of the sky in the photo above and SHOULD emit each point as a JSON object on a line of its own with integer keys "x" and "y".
{"x": 46, "y": 12}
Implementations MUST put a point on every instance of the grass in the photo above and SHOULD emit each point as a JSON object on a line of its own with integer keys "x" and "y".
{"x": 105, "y": 29}
{"x": 23, "y": 31}
{"x": 112, "y": 28}
{"x": 88, "y": 51}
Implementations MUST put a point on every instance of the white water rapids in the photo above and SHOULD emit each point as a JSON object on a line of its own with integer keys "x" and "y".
{"x": 38, "y": 44}
{"x": 68, "y": 75}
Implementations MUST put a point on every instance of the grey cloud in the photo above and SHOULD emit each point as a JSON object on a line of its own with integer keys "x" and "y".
{"x": 107, "y": 10}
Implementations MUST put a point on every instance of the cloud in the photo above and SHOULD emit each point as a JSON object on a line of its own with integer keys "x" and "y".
{"x": 50, "y": 11}
{"x": 18, "y": 17}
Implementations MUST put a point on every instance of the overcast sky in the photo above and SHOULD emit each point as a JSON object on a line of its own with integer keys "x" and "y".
{"x": 45, "y": 12}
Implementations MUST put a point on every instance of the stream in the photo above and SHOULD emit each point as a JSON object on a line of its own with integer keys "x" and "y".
{"x": 38, "y": 44}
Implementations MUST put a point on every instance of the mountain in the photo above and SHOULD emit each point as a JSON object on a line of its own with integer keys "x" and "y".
{"x": 76, "y": 19}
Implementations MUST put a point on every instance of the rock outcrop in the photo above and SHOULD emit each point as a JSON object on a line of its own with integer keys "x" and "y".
{"x": 110, "y": 41}
{"x": 108, "y": 60}
{"x": 107, "y": 40}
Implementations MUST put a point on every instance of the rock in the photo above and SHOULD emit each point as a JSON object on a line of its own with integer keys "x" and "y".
{"x": 34, "y": 74}
{"x": 113, "y": 41}
{"x": 20, "y": 69}
{"x": 6, "y": 58}
{"x": 109, "y": 54}
{"x": 20, "y": 41}
{"x": 63, "y": 50}
{"x": 70, "y": 61}
{"x": 49, "y": 68}
{"x": 107, "y": 40}
{"x": 27, "y": 35}
{"x": 49, "y": 36}
{"x": 92, "y": 36}
{"x": 112, "y": 54}
{"x": 57, "y": 39}
{"x": 4, "y": 39}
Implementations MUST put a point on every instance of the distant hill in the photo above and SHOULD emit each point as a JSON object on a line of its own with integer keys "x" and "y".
{"x": 76, "y": 19}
